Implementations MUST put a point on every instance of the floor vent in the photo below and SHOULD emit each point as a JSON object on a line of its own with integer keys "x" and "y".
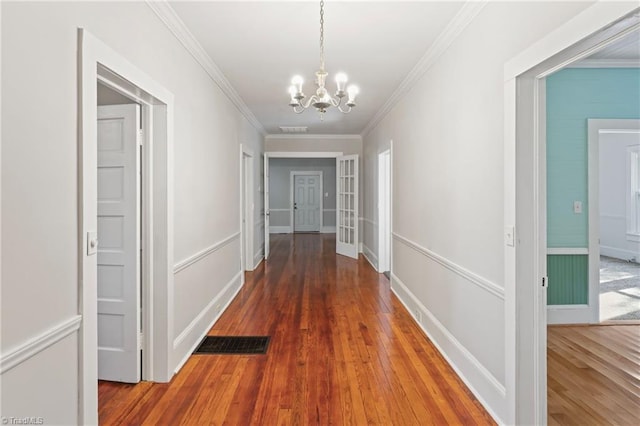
{"x": 241, "y": 345}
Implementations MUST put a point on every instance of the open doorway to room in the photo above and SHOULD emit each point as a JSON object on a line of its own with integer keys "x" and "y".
{"x": 559, "y": 365}
{"x": 384, "y": 213}
{"x": 336, "y": 211}
{"x": 614, "y": 220}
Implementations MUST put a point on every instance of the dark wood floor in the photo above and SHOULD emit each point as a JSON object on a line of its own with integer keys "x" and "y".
{"x": 593, "y": 375}
{"x": 343, "y": 351}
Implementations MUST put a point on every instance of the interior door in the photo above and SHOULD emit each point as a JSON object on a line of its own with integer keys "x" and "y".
{"x": 306, "y": 203}
{"x": 347, "y": 206}
{"x": 119, "y": 243}
{"x": 266, "y": 207}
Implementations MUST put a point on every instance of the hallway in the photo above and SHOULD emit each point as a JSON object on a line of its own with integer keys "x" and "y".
{"x": 343, "y": 351}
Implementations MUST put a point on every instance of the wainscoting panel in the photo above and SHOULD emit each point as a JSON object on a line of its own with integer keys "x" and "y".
{"x": 568, "y": 279}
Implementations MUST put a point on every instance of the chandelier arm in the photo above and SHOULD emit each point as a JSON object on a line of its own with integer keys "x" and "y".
{"x": 344, "y": 111}
{"x": 335, "y": 102}
{"x": 311, "y": 100}
{"x": 302, "y": 109}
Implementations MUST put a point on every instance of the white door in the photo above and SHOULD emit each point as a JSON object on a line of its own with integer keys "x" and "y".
{"x": 347, "y": 206}
{"x": 118, "y": 243}
{"x": 384, "y": 211}
{"x": 266, "y": 207}
{"x": 306, "y": 203}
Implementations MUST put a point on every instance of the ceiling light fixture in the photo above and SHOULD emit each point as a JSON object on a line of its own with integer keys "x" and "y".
{"x": 322, "y": 99}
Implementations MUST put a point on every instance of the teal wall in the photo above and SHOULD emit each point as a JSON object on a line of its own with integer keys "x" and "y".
{"x": 573, "y": 96}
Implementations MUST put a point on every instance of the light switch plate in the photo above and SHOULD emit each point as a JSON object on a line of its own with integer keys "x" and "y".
{"x": 92, "y": 243}
{"x": 509, "y": 237}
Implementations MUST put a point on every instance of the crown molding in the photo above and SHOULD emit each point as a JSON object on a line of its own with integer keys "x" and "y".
{"x": 310, "y": 136}
{"x": 178, "y": 28}
{"x": 465, "y": 15}
{"x": 606, "y": 63}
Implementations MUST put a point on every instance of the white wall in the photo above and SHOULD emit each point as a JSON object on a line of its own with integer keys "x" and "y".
{"x": 280, "y": 190}
{"x": 448, "y": 199}
{"x": 39, "y": 188}
{"x": 614, "y": 178}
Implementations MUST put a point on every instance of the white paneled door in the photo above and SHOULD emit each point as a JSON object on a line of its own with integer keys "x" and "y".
{"x": 306, "y": 203}
{"x": 266, "y": 207}
{"x": 347, "y": 206}
{"x": 119, "y": 243}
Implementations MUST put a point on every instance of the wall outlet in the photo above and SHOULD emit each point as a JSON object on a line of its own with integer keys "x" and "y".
{"x": 218, "y": 307}
{"x": 418, "y": 315}
{"x": 577, "y": 207}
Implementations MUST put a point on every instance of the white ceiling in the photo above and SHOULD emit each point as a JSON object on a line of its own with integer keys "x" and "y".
{"x": 259, "y": 46}
{"x": 627, "y": 48}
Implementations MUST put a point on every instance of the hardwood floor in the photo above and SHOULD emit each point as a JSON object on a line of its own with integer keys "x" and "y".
{"x": 343, "y": 351}
{"x": 593, "y": 375}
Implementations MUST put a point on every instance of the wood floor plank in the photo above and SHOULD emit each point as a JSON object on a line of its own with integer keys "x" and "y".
{"x": 343, "y": 350}
{"x": 593, "y": 375}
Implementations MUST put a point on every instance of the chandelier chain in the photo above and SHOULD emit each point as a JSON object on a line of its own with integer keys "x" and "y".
{"x": 322, "y": 35}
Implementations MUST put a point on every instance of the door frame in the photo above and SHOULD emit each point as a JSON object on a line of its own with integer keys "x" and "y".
{"x": 97, "y": 61}
{"x": 246, "y": 209}
{"x": 385, "y": 209}
{"x": 525, "y": 175}
{"x": 292, "y": 175}
{"x": 595, "y": 128}
{"x": 285, "y": 154}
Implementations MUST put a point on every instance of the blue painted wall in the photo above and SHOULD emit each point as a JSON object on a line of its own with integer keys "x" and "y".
{"x": 573, "y": 96}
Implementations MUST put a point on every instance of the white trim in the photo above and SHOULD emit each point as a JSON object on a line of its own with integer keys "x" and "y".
{"x": 619, "y": 253}
{"x": 370, "y": 256}
{"x": 35, "y": 345}
{"x": 471, "y": 371}
{"x": 98, "y": 60}
{"x": 472, "y": 277}
{"x": 311, "y": 136}
{"x": 189, "y": 328}
{"x": 525, "y": 173}
{"x": 567, "y": 250}
{"x": 170, "y": 18}
{"x": 280, "y": 210}
{"x": 328, "y": 229}
{"x": 183, "y": 264}
{"x": 606, "y": 63}
{"x": 301, "y": 154}
{"x": 258, "y": 257}
{"x": 211, "y": 306}
{"x": 279, "y": 229}
{"x": 454, "y": 28}
{"x": 385, "y": 205}
{"x": 569, "y": 314}
{"x": 247, "y": 203}
{"x": 292, "y": 174}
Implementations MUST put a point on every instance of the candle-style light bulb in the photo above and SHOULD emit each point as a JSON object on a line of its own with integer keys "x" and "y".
{"x": 341, "y": 81}
{"x": 297, "y": 82}
{"x": 353, "y": 92}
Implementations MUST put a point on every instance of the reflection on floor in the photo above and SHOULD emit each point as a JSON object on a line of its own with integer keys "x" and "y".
{"x": 619, "y": 289}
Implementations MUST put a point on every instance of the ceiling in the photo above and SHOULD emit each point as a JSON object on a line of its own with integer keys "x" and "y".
{"x": 259, "y": 46}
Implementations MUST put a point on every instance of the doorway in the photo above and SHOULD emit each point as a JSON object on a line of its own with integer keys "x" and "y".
{"x": 306, "y": 200}
{"x": 384, "y": 213}
{"x": 525, "y": 166}
{"x": 614, "y": 219}
{"x": 99, "y": 63}
{"x": 247, "y": 208}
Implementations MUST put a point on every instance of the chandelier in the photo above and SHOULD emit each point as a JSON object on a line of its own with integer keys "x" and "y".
{"x": 322, "y": 99}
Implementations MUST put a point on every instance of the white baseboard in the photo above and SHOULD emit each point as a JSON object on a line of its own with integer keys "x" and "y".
{"x": 37, "y": 344}
{"x": 370, "y": 256}
{"x": 618, "y": 253}
{"x": 280, "y": 229}
{"x": 569, "y": 314}
{"x": 257, "y": 258}
{"x": 201, "y": 324}
{"x": 359, "y": 247}
{"x": 489, "y": 391}
{"x": 328, "y": 230}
